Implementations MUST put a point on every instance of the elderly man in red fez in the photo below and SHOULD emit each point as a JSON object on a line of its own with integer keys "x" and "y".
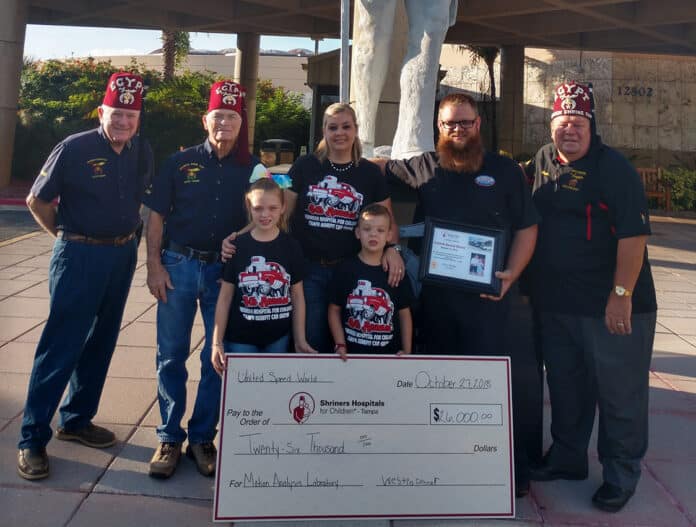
{"x": 196, "y": 200}
{"x": 594, "y": 294}
{"x": 99, "y": 177}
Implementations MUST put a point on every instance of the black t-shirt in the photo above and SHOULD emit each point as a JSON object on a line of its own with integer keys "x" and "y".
{"x": 369, "y": 306}
{"x": 262, "y": 273}
{"x": 328, "y": 204}
{"x": 495, "y": 196}
{"x": 586, "y": 206}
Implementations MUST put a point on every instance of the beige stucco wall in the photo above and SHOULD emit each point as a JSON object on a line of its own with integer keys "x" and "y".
{"x": 646, "y": 104}
{"x": 283, "y": 71}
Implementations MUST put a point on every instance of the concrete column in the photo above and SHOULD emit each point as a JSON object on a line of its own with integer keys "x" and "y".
{"x": 511, "y": 98}
{"x": 312, "y": 121}
{"x": 246, "y": 72}
{"x": 13, "y": 23}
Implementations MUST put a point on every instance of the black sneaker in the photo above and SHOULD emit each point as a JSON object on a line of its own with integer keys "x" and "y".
{"x": 91, "y": 435}
{"x": 611, "y": 498}
{"x": 32, "y": 463}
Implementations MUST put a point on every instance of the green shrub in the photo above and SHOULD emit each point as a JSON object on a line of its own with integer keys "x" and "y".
{"x": 280, "y": 115}
{"x": 173, "y": 113}
{"x": 59, "y": 98}
{"x": 683, "y": 183}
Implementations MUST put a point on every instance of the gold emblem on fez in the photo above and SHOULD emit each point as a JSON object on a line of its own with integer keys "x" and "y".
{"x": 568, "y": 103}
{"x": 229, "y": 99}
{"x": 126, "y": 97}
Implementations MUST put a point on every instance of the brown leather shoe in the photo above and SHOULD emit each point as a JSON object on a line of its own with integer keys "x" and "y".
{"x": 91, "y": 435}
{"x": 164, "y": 460}
{"x": 205, "y": 456}
{"x": 32, "y": 463}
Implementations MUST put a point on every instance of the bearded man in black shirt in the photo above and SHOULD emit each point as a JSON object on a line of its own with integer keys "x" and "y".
{"x": 463, "y": 183}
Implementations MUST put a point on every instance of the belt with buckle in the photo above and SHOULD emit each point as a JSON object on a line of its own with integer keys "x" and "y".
{"x": 91, "y": 240}
{"x": 193, "y": 254}
{"x": 328, "y": 262}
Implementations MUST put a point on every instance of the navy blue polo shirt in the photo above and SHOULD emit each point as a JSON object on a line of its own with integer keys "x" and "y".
{"x": 100, "y": 191}
{"x": 200, "y": 196}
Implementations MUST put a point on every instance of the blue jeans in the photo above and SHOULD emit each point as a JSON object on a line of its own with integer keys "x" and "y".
{"x": 89, "y": 286}
{"x": 279, "y": 346}
{"x": 317, "y": 284}
{"x": 195, "y": 284}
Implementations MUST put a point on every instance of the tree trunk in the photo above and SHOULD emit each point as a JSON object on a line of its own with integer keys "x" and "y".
{"x": 168, "y": 53}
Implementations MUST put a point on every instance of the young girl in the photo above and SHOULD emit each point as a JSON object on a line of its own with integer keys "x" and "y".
{"x": 261, "y": 290}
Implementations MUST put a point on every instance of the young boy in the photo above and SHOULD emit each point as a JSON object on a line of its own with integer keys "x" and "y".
{"x": 363, "y": 306}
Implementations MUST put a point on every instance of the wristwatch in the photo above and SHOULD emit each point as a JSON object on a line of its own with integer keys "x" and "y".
{"x": 620, "y": 290}
{"x": 394, "y": 246}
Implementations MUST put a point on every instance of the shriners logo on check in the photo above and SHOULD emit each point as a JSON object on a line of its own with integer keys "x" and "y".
{"x": 301, "y": 406}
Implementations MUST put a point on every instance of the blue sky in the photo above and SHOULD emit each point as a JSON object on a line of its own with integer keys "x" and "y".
{"x": 47, "y": 42}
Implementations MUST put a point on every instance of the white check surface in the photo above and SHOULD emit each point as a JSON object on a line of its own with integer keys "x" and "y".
{"x": 379, "y": 436}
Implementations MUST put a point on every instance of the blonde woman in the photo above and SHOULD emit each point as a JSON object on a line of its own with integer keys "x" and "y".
{"x": 329, "y": 188}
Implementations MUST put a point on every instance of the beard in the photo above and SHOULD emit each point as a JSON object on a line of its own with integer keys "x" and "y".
{"x": 467, "y": 157}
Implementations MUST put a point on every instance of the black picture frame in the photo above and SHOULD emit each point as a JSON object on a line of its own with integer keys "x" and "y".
{"x": 468, "y": 261}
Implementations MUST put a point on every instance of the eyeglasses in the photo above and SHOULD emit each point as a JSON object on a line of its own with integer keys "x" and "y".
{"x": 452, "y": 125}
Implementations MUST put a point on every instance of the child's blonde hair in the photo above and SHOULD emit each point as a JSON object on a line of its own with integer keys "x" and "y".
{"x": 267, "y": 184}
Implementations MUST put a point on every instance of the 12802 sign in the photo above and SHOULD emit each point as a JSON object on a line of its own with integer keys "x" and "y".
{"x": 635, "y": 91}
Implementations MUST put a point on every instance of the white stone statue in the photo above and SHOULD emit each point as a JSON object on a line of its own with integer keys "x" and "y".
{"x": 428, "y": 22}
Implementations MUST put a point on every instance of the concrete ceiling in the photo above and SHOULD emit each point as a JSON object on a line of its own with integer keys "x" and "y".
{"x": 631, "y": 26}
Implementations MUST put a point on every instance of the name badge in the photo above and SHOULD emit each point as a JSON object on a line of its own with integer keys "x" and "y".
{"x": 484, "y": 181}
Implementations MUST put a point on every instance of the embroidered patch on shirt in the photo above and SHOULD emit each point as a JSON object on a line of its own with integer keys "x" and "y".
{"x": 190, "y": 171}
{"x": 575, "y": 180}
{"x": 97, "y": 167}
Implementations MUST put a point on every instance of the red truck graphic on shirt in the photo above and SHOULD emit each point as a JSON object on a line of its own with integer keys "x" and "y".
{"x": 264, "y": 284}
{"x": 370, "y": 309}
{"x": 330, "y": 197}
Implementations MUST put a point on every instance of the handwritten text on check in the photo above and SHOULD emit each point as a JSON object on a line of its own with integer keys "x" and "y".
{"x": 379, "y": 436}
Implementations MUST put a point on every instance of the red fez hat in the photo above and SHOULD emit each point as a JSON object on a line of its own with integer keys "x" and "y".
{"x": 228, "y": 95}
{"x": 124, "y": 90}
{"x": 572, "y": 98}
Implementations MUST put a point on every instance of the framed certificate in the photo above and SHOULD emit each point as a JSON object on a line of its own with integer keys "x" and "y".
{"x": 462, "y": 256}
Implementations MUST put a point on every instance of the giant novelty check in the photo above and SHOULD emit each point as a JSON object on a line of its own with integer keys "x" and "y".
{"x": 378, "y": 436}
